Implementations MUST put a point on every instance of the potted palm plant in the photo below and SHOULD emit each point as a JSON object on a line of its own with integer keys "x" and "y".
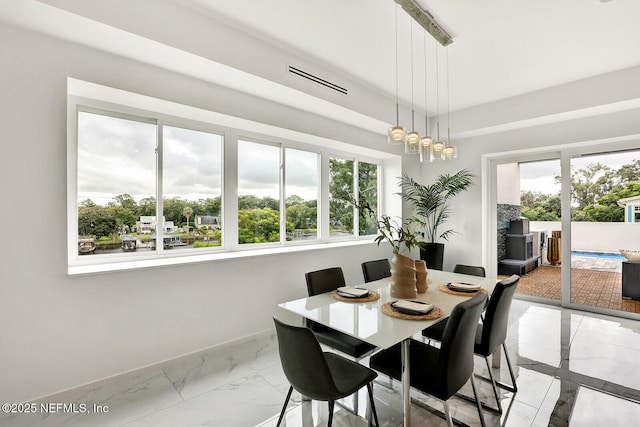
{"x": 432, "y": 211}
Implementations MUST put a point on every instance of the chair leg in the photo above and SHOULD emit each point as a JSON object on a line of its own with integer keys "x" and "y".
{"x": 284, "y": 407}
{"x": 447, "y": 414}
{"x": 493, "y": 384}
{"x": 355, "y": 403}
{"x": 373, "y": 405}
{"x": 512, "y": 388}
{"x": 478, "y": 404}
{"x": 331, "y": 404}
{"x": 513, "y": 377}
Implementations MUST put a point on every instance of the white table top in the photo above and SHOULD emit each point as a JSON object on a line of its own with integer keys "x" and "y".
{"x": 366, "y": 321}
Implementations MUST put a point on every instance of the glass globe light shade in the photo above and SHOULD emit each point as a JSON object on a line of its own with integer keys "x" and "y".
{"x": 396, "y": 135}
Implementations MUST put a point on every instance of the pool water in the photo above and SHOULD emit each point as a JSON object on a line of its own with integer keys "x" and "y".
{"x": 607, "y": 255}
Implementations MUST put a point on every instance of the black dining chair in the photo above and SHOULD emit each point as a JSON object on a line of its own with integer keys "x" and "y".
{"x": 440, "y": 372}
{"x": 472, "y": 270}
{"x": 316, "y": 374}
{"x": 376, "y": 270}
{"x": 326, "y": 280}
{"x": 491, "y": 333}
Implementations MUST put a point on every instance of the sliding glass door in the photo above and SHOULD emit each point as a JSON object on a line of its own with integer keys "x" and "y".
{"x": 605, "y": 191}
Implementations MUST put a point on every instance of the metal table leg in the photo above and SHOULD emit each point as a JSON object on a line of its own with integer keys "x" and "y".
{"x": 406, "y": 384}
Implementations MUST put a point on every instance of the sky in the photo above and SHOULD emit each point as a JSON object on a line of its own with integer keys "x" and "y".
{"x": 117, "y": 156}
{"x": 539, "y": 176}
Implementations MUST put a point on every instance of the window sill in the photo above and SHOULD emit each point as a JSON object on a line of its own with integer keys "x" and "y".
{"x": 79, "y": 270}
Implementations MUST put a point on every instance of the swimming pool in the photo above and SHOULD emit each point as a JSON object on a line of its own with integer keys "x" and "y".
{"x": 607, "y": 255}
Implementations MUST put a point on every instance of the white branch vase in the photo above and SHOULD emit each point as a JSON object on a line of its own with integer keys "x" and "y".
{"x": 403, "y": 277}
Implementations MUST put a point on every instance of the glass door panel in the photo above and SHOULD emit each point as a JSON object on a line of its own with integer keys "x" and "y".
{"x": 605, "y": 190}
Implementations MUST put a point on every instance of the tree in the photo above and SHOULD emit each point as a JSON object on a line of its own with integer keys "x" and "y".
{"x": 629, "y": 172}
{"x": 127, "y": 202}
{"x": 341, "y": 194}
{"x": 590, "y": 183}
{"x": 187, "y": 212}
{"x": 595, "y": 191}
{"x": 368, "y": 194}
{"x": 147, "y": 207}
{"x": 258, "y": 226}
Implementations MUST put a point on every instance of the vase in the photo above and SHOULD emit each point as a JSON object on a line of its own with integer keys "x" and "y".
{"x": 433, "y": 254}
{"x": 403, "y": 277}
{"x": 421, "y": 276}
{"x": 554, "y": 245}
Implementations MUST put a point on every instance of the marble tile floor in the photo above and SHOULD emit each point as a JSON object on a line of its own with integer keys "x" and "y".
{"x": 573, "y": 369}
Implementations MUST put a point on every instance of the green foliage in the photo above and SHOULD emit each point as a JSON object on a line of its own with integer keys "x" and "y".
{"x": 540, "y": 207}
{"x": 430, "y": 201}
{"x": 123, "y": 212}
{"x": 340, "y": 194}
{"x": 400, "y": 235}
{"x": 205, "y": 244}
{"x": 368, "y": 194}
{"x": 595, "y": 191}
{"x": 258, "y": 226}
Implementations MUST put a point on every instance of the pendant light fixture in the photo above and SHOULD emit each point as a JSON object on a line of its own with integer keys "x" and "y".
{"x": 438, "y": 146}
{"x": 449, "y": 152}
{"x": 425, "y": 141}
{"x": 412, "y": 141}
{"x": 397, "y": 133}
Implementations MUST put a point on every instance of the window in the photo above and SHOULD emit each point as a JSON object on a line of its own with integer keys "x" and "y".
{"x": 340, "y": 197}
{"x": 301, "y": 194}
{"x": 368, "y": 195}
{"x": 147, "y": 183}
{"x": 259, "y": 189}
{"x": 117, "y": 176}
{"x": 192, "y": 188}
{"x": 258, "y": 193}
{"x": 342, "y": 187}
{"x": 116, "y": 182}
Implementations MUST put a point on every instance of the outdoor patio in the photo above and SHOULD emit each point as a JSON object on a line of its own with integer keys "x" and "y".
{"x": 596, "y": 282}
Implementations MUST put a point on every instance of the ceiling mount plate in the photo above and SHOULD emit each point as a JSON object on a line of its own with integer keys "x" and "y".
{"x": 426, "y": 21}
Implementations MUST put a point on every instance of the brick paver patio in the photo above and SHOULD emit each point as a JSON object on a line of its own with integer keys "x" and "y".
{"x": 588, "y": 287}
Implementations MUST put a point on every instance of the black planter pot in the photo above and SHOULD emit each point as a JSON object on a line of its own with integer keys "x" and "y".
{"x": 432, "y": 254}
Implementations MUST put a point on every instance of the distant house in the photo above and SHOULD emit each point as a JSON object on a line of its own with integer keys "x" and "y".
{"x": 207, "y": 221}
{"x": 147, "y": 225}
{"x": 631, "y": 207}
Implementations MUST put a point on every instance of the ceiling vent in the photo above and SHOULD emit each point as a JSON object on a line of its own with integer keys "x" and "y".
{"x": 318, "y": 80}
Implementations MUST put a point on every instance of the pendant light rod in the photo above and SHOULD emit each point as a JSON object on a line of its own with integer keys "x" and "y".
{"x": 426, "y": 107}
{"x": 448, "y": 100}
{"x": 437, "y": 94}
{"x": 397, "y": 85}
{"x": 426, "y": 21}
{"x": 413, "y": 126}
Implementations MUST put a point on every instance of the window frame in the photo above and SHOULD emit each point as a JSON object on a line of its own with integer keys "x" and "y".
{"x": 99, "y": 99}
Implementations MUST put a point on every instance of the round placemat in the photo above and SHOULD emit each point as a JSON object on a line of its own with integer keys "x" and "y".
{"x": 388, "y": 309}
{"x": 373, "y": 295}
{"x": 443, "y": 288}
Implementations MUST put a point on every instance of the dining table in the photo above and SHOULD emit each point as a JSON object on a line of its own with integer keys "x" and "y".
{"x": 370, "y": 319}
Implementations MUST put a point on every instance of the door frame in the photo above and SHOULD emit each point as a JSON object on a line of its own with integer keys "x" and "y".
{"x": 564, "y": 153}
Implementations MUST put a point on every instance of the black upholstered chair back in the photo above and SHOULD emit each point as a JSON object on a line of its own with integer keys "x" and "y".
{"x": 455, "y": 360}
{"x": 376, "y": 270}
{"x": 326, "y": 280}
{"x": 496, "y": 317}
{"x": 304, "y": 363}
{"x": 472, "y": 270}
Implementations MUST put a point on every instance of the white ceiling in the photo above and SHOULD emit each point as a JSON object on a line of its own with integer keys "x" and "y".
{"x": 501, "y": 48}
